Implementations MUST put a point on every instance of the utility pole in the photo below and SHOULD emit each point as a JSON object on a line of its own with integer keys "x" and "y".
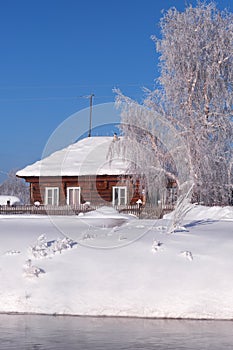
{"x": 90, "y": 118}
{"x": 90, "y": 115}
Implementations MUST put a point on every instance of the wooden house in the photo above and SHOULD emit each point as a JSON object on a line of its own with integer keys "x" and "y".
{"x": 80, "y": 173}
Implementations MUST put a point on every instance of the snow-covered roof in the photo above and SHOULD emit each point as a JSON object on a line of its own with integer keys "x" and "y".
{"x": 89, "y": 156}
{"x": 12, "y": 200}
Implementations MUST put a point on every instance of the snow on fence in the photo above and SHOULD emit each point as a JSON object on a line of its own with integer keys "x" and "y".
{"x": 141, "y": 212}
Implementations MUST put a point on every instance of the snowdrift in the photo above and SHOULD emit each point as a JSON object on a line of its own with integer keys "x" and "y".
{"x": 199, "y": 212}
{"x": 105, "y": 217}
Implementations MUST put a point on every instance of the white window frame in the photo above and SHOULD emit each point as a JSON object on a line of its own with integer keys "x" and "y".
{"x": 119, "y": 198}
{"x": 68, "y": 194}
{"x": 53, "y": 189}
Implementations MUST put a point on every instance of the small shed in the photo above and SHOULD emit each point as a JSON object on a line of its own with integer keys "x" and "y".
{"x": 9, "y": 200}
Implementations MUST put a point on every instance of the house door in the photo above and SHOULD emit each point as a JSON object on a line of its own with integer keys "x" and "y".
{"x": 119, "y": 195}
{"x": 73, "y": 195}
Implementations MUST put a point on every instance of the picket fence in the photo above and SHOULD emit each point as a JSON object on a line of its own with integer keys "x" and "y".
{"x": 141, "y": 212}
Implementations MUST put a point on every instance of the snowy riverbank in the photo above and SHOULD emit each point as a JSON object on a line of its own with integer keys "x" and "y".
{"x": 133, "y": 270}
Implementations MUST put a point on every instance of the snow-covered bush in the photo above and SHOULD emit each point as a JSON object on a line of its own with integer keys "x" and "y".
{"x": 44, "y": 248}
{"x": 156, "y": 246}
{"x": 30, "y": 270}
{"x": 12, "y": 252}
{"x": 187, "y": 254}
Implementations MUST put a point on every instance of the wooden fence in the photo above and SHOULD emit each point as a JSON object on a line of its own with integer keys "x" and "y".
{"x": 44, "y": 209}
{"x": 141, "y": 212}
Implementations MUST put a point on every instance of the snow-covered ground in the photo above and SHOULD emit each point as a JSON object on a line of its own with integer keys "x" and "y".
{"x": 61, "y": 265}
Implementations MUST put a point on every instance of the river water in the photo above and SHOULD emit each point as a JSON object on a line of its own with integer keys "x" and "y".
{"x": 86, "y": 333}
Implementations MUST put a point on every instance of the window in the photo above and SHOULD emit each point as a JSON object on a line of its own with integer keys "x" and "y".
{"x": 51, "y": 195}
{"x": 73, "y": 195}
{"x": 119, "y": 195}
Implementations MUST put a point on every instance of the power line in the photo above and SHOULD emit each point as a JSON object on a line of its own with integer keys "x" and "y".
{"x": 25, "y": 99}
{"x": 54, "y": 98}
{"x": 16, "y": 87}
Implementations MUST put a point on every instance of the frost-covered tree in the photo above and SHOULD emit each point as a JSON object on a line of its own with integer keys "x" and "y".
{"x": 194, "y": 99}
{"x": 13, "y": 186}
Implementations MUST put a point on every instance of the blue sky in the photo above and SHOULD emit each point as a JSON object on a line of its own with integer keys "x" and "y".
{"x": 54, "y": 51}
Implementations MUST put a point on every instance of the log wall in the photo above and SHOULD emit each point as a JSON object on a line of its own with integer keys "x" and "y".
{"x": 94, "y": 189}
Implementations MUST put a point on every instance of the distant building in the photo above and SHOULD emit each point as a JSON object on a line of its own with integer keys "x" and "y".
{"x": 9, "y": 200}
